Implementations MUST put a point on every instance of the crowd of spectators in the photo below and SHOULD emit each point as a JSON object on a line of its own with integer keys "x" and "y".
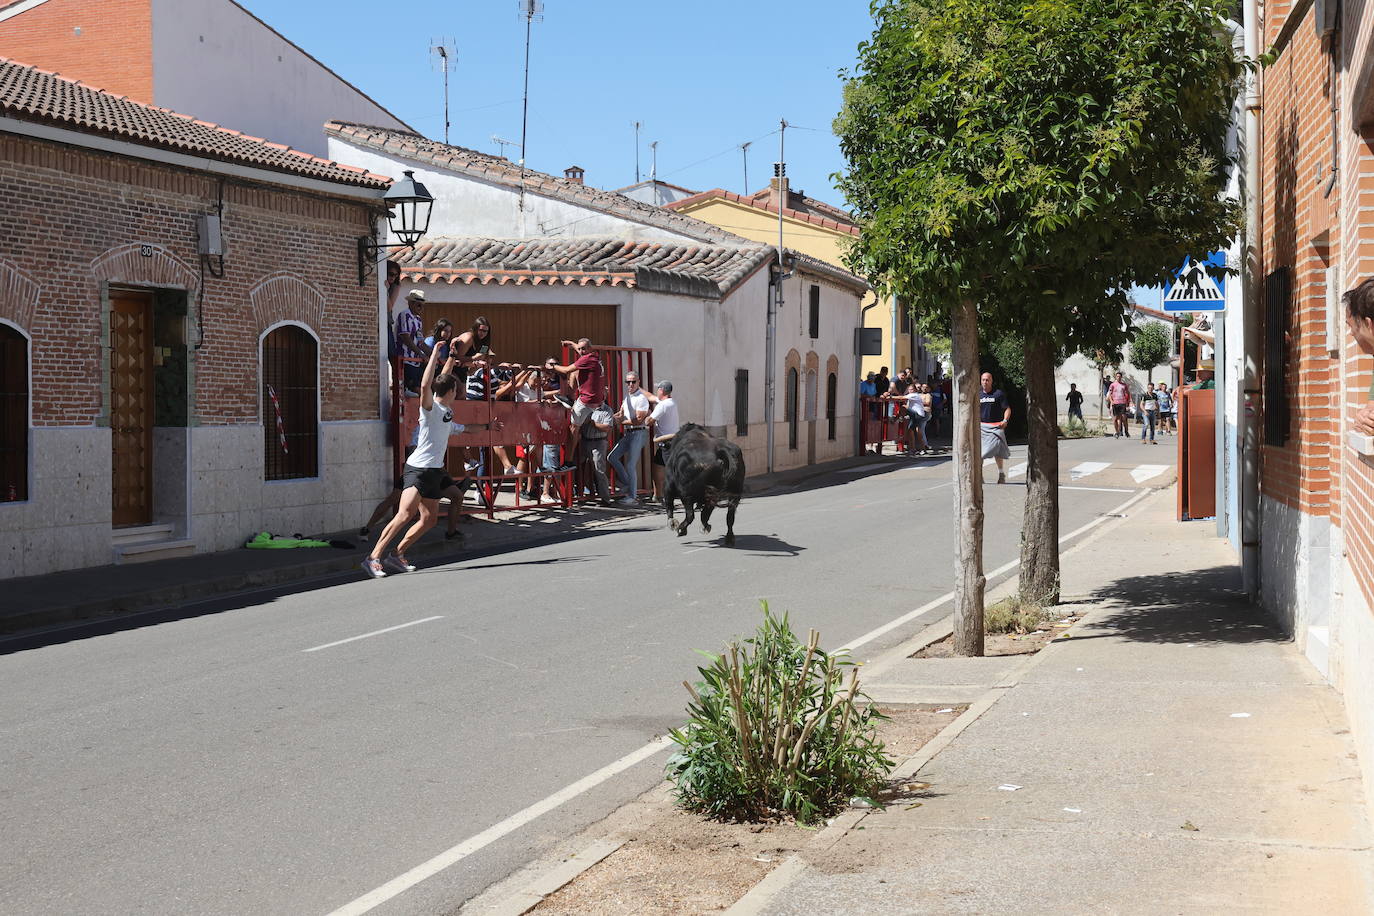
{"x": 915, "y": 407}
{"x": 463, "y": 364}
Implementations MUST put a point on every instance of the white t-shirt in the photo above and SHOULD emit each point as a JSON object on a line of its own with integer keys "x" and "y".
{"x": 915, "y": 404}
{"x": 665, "y": 418}
{"x": 526, "y": 393}
{"x": 432, "y": 440}
{"x": 635, "y": 402}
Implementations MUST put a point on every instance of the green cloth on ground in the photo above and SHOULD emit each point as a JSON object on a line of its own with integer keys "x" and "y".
{"x": 265, "y": 541}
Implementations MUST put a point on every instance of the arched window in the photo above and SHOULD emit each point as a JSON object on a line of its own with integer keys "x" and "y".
{"x": 14, "y": 415}
{"x": 290, "y": 404}
{"x": 791, "y": 408}
{"x": 831, "y": 386}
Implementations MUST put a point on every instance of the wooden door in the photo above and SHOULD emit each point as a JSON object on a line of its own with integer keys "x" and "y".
{"x": 131, "y": 406}
{"x": 527, "y": 333}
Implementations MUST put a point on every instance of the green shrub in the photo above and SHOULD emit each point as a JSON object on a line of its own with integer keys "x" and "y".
{"x": 1013, "y": 615}
{"x": 776, "y": 728}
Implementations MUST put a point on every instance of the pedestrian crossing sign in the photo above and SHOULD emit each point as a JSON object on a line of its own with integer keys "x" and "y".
{"x": 1199, "y": 287}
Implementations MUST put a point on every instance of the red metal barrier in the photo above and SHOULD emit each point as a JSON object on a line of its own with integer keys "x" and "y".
{"x": 882, "y": 423}
{"x": 526, "y": 425}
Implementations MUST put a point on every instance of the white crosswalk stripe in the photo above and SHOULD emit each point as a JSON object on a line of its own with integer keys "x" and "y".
{"x": 1144, "y": 472}
{"x": 1016, "y": 470}
{"x": 1088, "y": 468}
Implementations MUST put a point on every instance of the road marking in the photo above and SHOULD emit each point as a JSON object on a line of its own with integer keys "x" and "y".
{"x": 468, "y": 847}
{"x": 443, "y": 860}
{"x": 399, "y": 626}
{"x": 1005, "y": 567}
{"x": 1099, "y": 489}
{"x": 1087, "y": 468}
{"x": 1016, "y": 470}
{"x": 1144, "y": 472}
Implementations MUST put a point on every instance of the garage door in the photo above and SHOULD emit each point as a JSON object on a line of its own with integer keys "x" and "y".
{"x": 530, "y": 333}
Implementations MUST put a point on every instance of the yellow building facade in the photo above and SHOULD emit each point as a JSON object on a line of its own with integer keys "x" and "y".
{"x": 821, "y": 231}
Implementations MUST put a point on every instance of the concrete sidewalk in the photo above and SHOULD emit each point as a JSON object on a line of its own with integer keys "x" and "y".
{"x": 1175, "y": 754}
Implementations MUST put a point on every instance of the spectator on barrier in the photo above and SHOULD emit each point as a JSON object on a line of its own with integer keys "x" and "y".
{"x": 633, "y": 415}
{"x": 882, "y": 382}
{"x": 587, "y": 373}
{"x": 473, "y": 346}
{"x": 439, "y": 337}
{"x": 663, "y": 425}
{"x": 594, "y": 435}
{"x": 937, "y": 406}
{"x": 867, "y": 388}
{"x": 1206, "y": 376}
{"x": 393, "y": 292}
{"x": 410, "y": 340}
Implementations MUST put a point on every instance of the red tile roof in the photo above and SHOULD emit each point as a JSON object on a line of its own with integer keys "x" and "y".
{"x": 500, "y": 170}
{"x": 30, "y": 94}
{"x": 710, "y": 271}
{"x": 805, "y": 209}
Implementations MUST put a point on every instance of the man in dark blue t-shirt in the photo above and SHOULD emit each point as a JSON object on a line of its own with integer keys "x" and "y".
{"x": 995, "y": 413}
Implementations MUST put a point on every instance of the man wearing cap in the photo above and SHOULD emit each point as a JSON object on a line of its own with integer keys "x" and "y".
{"x": 410, "y": 338}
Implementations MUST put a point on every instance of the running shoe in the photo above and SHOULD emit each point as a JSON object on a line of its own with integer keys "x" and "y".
{"x": 1001, "y": 478}
{"x": 564, "y": 400}
{"x": 373, "y": 568}
{"x": 398, "y": 563}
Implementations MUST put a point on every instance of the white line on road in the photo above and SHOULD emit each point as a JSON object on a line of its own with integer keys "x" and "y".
{"x": 1016, "y": 470}
{"x": 1078, "y": 472}
{"x": 496, "y": 831}
{"x": 399, "y": 626}
{"x": 1099, "y": 489}
{"x": 443, "y": 860}
{"x": 1144, "y": 472}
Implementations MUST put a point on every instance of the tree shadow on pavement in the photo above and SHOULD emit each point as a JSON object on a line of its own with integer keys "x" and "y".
{"x": 1196, "y": 606}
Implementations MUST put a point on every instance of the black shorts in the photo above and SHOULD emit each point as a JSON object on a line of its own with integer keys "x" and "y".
{"x": 1121, "y": 410}
{"x": 660, "y": 452}
{"x": 429, "y": 481}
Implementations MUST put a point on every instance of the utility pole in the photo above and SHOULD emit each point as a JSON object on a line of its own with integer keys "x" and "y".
{"x": 531, "y": 10}
{"x": 774, "y": 307}
{"x": 638, "y": 125}
{"x": 744, "y": 148}
{"x": 443, "y": 51}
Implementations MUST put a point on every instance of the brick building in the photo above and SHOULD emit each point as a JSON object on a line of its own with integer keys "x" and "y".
{"x": 1316, "y": 477}
{"x": 154, "y": 400}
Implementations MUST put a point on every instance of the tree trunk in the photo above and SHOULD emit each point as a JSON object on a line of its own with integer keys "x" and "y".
{"x": 968, "y": 484}
{"x": 1040, "y": 520}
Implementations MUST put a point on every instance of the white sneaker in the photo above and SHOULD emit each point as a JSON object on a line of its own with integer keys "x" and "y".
{"x": 373, "y": 568}
{"x": 398, "y": 563}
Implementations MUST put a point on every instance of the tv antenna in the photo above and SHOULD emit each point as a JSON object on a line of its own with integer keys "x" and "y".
{"x": 744, "y": 148}
{"x": 443, "y": 54}
{"x": 532, "y": 11}
{"x": 502, "y": 143}
{"x": 637, "y": 125}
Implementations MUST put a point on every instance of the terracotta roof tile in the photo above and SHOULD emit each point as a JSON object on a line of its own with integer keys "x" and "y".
{"x": 710, "y": 271}
{"x": 503, "y": 171}
{"x": 805, "y": 209}
{"x": 31, "y": 94}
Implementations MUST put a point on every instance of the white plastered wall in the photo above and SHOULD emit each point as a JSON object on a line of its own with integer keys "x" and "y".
{"x": 214, "y": 61}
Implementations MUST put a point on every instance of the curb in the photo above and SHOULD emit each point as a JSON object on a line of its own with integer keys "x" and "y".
{"x": 761, "y": 895}
{"x": 533, "y": 894}
{"x": 109, "y": 607}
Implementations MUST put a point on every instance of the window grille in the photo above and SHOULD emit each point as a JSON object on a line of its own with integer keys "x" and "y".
{"x": 831, "y": 384}
{"x": 290, "y": 404}
{"x": 815, "y": 311}
{"x": 741, "y": 402}
{"x": 14, "y": 415}
{"x": 791, "y": 408}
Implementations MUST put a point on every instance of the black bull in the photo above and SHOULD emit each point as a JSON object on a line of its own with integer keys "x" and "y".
{"x": 704, "y": 471}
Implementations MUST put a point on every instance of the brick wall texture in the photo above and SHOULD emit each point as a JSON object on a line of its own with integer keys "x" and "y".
{"x": 76, "y": 221}
{"x": 112, "y": 51}
{"x": 1310, "y": 224}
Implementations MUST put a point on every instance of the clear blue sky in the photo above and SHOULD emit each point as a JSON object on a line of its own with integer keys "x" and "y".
{"x": 703, "y": 76}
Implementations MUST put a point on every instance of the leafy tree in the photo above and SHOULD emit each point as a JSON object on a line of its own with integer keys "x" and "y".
{"x": 1009, "y": 161}
{"x": 1149, "y": 348}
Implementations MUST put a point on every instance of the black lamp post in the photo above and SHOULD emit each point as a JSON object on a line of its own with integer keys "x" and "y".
{"x": 408, "y": 209}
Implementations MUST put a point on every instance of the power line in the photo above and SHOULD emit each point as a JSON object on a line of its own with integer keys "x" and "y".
{"x": 724, "y": 152}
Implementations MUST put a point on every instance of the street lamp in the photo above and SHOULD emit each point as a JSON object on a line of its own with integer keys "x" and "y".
{"x": 408, "y": 208}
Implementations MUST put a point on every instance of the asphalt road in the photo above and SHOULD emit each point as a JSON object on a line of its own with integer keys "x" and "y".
{"x": 242, "y": 761}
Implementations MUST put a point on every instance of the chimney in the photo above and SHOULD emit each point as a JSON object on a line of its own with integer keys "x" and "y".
{"x": 778, "y": 186}
{"x": 574, "y": 173}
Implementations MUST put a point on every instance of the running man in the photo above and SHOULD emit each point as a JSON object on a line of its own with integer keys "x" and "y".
{"x": 424, "y": 474}
{"x": 1119, "y": 394}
